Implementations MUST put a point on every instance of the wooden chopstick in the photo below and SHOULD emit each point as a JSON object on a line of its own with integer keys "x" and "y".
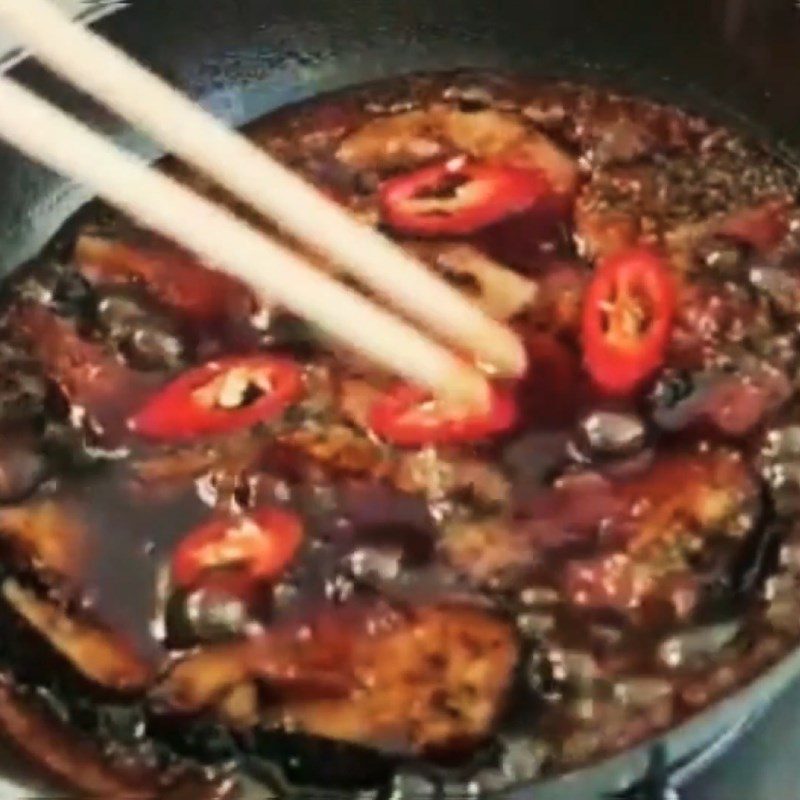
{"x": 182, "y": 127}
{"x": 51, "y": 137}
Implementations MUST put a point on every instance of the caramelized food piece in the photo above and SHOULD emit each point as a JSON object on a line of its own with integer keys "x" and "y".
{"x": 733, "y": 403}
{"x": 177, "y": 467}
{"x": 67, "y": 755}
{"x": 680, "y": 525}
{"x": 47, "y": 534}
{"x": 684, "y": 497}
{"x": 498, "y": 290}
{"x": 433, "y": 682}
{"x": 98, "y": 653}
{"x": 487, "y": 550}
{"x": 762, "y": 226}
{"x": 426, "y": 679}
{"x": 282, "y": 659}
{"x": 413, "y": 138}
{"x": 172, "y": 276}
{"x": 339, "y": 447}
{"x": 623, "y": 583}
{"x": 23, "y": 467}
{"x": 89, "y": 376}
{"x": 435, "y": 476}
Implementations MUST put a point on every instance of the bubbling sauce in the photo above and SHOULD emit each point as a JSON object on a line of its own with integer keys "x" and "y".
{"x": 228, "y": 543}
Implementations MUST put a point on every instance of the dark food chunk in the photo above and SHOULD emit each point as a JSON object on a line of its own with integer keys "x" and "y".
{"x": 421, "y": 680}
{"x": 88, "y": 375}
{"x": 171, "y": 276}
{"x": 23, "y": 466}
{"x": 47, "y": 535}
{"x": 679, "y": 526}
{"x": 147, "y": 337}
{"x": 68, "y": 756}
{"x": 97, "y": 652}
{"x": 731, "y": 402}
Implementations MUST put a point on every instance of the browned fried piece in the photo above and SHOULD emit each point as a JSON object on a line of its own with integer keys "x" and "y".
{"x": 65, "y": 754}
{"x": 412, "y": 138}
{"x": 487, "y": 550}
{"x": 435, "y": 681}
{"x": 684, "y": 497}
{"x": 652, "y": 525}
{"x": 71, "y": 758}
{"x": 685, "y": 509}
{"x": 209, "y": 677}
{"x": 23, "y": 465}
{"x": 427, "y": 679}
{"x": 98, "y": 653}
{"x": 339, "y": 441}
{"x": 90, "y": 376}
{"x": 339, "y": 447}
{"x": 167, "y": 471}
{"x": 46, "y": 534}
{"x": 498, "y": 290}
{"x": 435, "y": 475}
{"x": 172, "y": 276}
{"x": 678, "y": 200}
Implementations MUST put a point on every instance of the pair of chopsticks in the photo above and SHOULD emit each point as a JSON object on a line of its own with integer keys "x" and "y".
{"x": 48, "y": 135}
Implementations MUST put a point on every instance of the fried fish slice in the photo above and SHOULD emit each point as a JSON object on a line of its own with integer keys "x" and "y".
{"x": 95, "y": 651}
{"x": 680, "y": 527}
{"x": 65, "y": 755}
{"x": 171, "y": 276}
{"x": 47, "y": 534}
{"x": 88, "y": 374}
{"x": 426, "y": 679}
{"x": 68, "y": 756}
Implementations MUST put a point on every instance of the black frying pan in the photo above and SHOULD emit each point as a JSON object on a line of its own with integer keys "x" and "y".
{"x": 731, "y": 59}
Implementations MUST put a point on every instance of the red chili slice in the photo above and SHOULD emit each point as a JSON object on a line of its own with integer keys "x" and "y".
{"x": 627, "y": 320}
{"x": 236, "y": 554}
{"x": 459, "y": 197}
{"x": 220, "y": 397}
{"x": 408, "y": 416}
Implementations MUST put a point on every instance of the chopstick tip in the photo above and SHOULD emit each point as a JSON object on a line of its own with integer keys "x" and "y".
{"x": 465, "y": 386}
{"x": 505, "y": 355}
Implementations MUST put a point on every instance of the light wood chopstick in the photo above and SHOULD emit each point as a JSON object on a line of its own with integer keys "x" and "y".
{"x": 50, "y": 136}
{"x": 132, "y": 91}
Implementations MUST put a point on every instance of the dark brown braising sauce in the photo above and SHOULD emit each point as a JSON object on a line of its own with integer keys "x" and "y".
{"x": 508, "y": 607}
